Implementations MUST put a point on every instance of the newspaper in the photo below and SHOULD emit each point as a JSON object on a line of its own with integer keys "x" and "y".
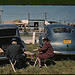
{"x": 1, "y": 53}
{"x": 1, "y": 50}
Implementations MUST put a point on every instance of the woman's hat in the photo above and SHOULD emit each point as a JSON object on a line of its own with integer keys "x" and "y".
{"x": 45, "y": 39}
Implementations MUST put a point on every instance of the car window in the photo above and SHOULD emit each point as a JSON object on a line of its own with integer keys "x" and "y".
{"x": 7, "y": 32}
{"x": 63, "y": 30}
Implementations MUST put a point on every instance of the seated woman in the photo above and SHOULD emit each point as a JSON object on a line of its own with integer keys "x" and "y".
{"x": 47, "y": 51}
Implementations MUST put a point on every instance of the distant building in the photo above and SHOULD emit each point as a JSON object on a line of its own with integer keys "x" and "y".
{"x": 25, "y": 22}
{"x": 72, "y": 24}
{"x": 20, "y": 25}
{"x": 36, "y": 25}
{"x": 51, "y": 22}
{"x": 46, "y": 22}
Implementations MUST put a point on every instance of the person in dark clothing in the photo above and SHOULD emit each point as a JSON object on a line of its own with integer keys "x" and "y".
{"x": 14, "y": 52}
{"x": 47, "y": 51}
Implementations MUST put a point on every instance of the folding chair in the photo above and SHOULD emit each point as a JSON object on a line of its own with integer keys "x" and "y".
{"x": 44, "y": 60}
{"x": 19, "y": 62}
{"x": 35, "y": 62}
{"x": 13, "y": 65}
{"x": 49, "y": 59}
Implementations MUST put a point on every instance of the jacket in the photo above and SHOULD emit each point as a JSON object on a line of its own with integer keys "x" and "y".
{"x": 13, "y": 52}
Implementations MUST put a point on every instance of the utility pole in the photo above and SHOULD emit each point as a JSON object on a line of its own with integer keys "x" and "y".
{"x": 59, "y": 21}
{"x": 0, "y": 19}
{"x": 28, "y": 16}
{"x": 46, "y": 16}
{"x": 28, "y": 19}
{"x": 1, "y": 16}
{"x": 64, "y": 21}
{"x": 45, "y": 20}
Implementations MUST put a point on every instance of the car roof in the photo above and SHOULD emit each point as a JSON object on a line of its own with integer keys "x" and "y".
{"x": 58, "y": 25}
{"x": 8, "y": 26}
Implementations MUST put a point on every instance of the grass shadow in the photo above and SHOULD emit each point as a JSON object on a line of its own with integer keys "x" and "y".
{"x": 64, "y": 57}
{"x": 4, "y": 62}
{"x": 49, "y": 62}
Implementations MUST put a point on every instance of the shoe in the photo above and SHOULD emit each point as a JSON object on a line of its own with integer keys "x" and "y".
{"x": 40, "y": 66}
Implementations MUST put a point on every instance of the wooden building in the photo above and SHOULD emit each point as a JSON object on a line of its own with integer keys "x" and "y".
{"x": 36, "y": 25}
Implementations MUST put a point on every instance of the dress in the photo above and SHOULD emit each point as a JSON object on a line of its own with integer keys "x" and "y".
{"x": 47, "y": 51}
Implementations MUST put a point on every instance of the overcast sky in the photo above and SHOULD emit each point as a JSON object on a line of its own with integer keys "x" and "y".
{"x": 54, "y": 13}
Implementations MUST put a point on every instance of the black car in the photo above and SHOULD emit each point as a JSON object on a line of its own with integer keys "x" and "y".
{"x": 62, "y": 38}
{"x": 7, "y": 32}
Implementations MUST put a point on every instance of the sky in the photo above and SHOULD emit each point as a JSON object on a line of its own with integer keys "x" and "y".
{"x": 54, "y": 12}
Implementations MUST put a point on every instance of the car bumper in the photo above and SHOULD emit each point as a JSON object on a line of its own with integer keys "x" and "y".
{"x": 3, "y": 58}
{"x": 65, "y": 52}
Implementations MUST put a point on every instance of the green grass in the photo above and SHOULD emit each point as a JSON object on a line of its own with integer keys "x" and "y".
{"x": 37, "y": 2}
{"x": 31, "y": 47}
{"x": 61, "y": 67}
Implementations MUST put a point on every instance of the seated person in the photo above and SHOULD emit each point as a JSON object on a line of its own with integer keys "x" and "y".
{"x": 47, "y": 51}
{"x": 14, "y": 52}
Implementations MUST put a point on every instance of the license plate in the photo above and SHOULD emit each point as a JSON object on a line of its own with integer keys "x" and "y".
{"x": 66, "y": 41}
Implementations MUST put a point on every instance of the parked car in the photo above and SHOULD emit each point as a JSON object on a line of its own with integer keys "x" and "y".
{"x": 62, "y": 38}
{"x": 7, "y": 32}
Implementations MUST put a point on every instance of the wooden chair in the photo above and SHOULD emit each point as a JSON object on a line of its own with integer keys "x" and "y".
{"x": 49, "y": 59}
{"x": 44, "y": 61}
{"x": 13, "y": 65}
{"x": 35, "y": 62}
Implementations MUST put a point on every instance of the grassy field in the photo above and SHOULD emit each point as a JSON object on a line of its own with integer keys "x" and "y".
{"x": 61, "y": 67}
